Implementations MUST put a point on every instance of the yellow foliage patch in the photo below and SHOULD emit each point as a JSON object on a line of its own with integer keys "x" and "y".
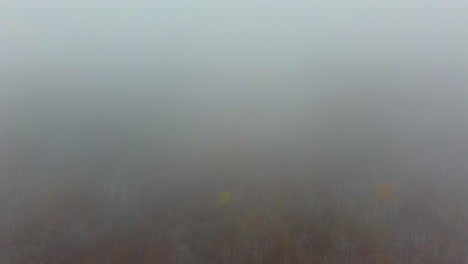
{"x": 385, "y": 190}
{"x": 223, "y": 200}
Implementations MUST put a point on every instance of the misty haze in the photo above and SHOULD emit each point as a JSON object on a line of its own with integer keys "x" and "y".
{"x": 243, "y": 131}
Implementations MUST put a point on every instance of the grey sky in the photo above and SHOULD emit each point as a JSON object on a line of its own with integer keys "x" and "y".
{"x": 250, "y": 62}
{"x": 230, "y": 35}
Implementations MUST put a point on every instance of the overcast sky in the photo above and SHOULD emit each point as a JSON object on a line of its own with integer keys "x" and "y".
{"x": 266, "y": 35}
{"x": 250, "y": 60}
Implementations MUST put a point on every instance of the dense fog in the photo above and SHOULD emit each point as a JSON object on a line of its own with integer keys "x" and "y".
{"x": 233, "y": 132}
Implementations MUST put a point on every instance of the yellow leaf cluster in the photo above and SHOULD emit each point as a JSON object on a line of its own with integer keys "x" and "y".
{"x": 223, "y": 200}
{"x": 385, "y": 190}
